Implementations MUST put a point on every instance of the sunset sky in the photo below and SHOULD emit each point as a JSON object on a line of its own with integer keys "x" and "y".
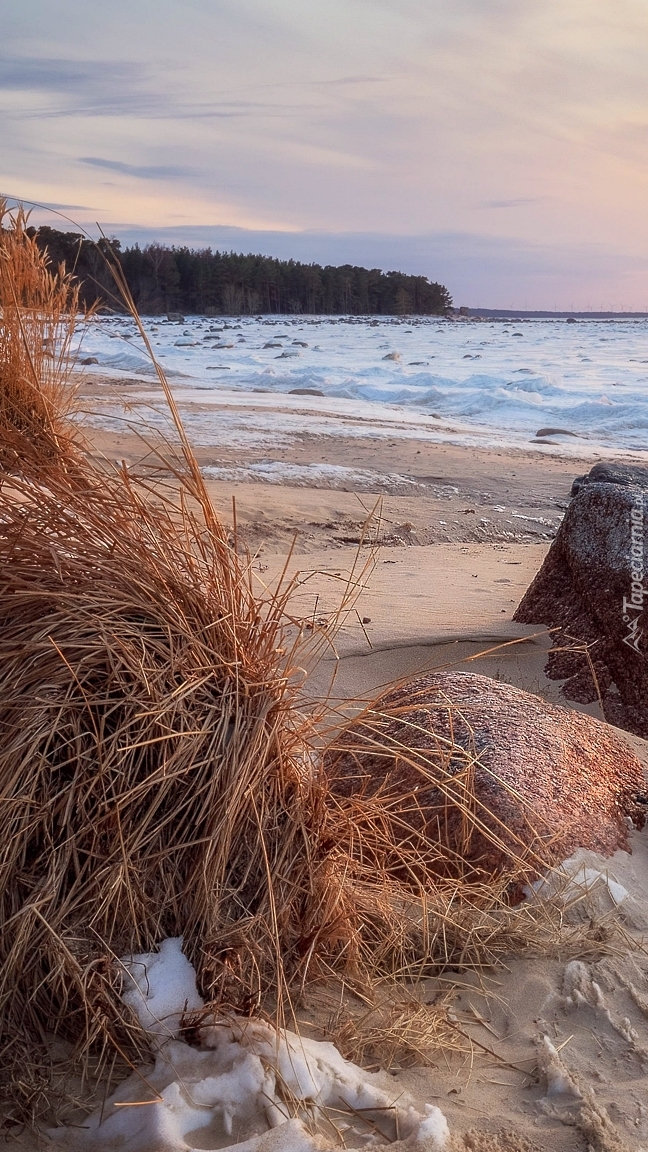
{"x": 499, "y": 146}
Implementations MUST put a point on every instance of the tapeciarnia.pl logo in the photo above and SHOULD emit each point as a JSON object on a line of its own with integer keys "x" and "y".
{"x": 632, "y": 607}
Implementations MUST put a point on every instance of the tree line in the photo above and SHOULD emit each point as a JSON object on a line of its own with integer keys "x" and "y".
{"x": 165, "y": 279}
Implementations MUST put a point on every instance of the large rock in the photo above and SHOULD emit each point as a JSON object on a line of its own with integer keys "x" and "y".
{"x": 593, "y": 587}
{"x": 539, "y": 780}
{"x": 628, "y": 475}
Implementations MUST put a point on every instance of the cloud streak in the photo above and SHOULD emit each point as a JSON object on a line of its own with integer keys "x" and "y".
{"x": 65, "y": 76}
{"x": 520, "y": 202}
{"x": 141, "y": 172}
{"x": 521, "y": 126}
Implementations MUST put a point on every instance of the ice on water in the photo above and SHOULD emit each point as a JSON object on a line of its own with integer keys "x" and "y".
{"x": 589, "y": 378}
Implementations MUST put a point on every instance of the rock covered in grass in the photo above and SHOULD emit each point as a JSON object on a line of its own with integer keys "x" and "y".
{"x": 593, "y": 586}
{"x": 491, "y": 772}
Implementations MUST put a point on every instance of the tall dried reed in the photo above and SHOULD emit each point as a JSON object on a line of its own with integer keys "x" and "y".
{"x": 38, "y": 319}
{"x": 159, "y": 771}
{"x": 155, "y": 774}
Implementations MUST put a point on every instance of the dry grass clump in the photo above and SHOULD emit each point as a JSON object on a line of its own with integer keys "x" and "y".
{"x": 399, "y": 1026}
{"x": 155, "y": 775}
{"x": 38, "y": 320}
{"x": 158, "y": 773}
{"x": 154, "y": 770}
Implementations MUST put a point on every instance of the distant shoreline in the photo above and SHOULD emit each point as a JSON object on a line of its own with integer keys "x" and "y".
{"x": 539, "y": 314}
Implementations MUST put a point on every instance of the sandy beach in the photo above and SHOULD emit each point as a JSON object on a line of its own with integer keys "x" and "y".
{"x": 554, "y": 1049}
{"x": 437, "y": 570}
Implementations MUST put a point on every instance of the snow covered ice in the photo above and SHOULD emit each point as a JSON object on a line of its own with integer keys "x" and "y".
{"x": 316, "y": 476}
{"x": 246, "y": 1086}
{"x": 515, "y": 378}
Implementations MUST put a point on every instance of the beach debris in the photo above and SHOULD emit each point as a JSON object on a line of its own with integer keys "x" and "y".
{"x": 491, "y": 772}
{"x": 591, "y": 588}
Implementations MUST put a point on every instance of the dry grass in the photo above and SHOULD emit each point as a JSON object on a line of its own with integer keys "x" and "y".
{"x": 155, "y": 770}
{"x": 39, "y": 309}
{"x": 399, "y": 1026}
{"x": 159, "y": 774}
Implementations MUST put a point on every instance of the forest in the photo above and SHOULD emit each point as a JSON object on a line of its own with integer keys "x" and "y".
{"x": 203, "y": 282}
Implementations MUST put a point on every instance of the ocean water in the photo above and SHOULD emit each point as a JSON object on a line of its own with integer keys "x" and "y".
{"x": 507, "y": 380}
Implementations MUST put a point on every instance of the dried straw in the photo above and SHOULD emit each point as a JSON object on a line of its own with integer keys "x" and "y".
{"x": 158, "y": 770}
{"x": 155, "y": 776}
{"x": 39, "y": 310}
{"x": 152, "y": 768}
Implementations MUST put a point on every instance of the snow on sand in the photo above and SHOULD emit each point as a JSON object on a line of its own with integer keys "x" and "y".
{"x": 263, "y": 1089}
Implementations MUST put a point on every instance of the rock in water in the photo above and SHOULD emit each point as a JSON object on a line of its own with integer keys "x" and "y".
{"x": 593, "y": 586}
{"x": 540, "y": 780}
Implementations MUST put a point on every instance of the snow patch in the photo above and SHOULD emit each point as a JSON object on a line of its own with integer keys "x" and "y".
{"x": 583, "y": 875}
{"x": 246, "y": 1086}
{"x": 559, "y": 1080}
{"x": 160, "y": 987}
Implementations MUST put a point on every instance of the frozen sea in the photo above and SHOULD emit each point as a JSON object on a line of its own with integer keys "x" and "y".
{"x": 504, "y": 381}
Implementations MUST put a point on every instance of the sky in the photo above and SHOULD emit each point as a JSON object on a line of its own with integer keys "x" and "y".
{"x": 497, "y": 146}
